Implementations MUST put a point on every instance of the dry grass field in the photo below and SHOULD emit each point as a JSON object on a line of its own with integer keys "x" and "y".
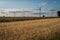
{"x": 45, "y": 29}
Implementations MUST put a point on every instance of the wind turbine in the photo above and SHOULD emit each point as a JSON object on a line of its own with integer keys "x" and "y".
{"x": 52, "y": 10}
{"x": 3, "y": 14}
{"x": 38, "y": 9}
{"x": 23, "y": 13}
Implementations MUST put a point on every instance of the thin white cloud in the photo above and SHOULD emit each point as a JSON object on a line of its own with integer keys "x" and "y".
{"x": 35, "y": 10}
{"x": 55, "y": 2}
{"x": 43, "y": 4}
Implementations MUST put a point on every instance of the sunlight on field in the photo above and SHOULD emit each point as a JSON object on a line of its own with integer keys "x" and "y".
{"x": 45, "y": 29}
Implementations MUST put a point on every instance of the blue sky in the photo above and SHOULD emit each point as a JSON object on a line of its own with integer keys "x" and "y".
{"x": 27, "y": 4}
{"x": 52, "y": 4}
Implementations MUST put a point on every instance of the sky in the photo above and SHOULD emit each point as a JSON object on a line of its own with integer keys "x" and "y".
{"x": 30, "y": 4}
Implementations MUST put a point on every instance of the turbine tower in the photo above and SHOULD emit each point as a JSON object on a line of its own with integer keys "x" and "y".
{"x": 14, "y": 13}
{"x": 40, "y": 11}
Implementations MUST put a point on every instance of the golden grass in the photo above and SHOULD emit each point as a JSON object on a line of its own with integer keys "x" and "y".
{"x": 45, "y": 29}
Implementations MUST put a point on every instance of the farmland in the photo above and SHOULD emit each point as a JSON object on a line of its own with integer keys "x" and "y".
{"x": 45, "y": 29}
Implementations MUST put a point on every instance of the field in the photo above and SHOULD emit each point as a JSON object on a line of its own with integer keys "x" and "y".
{"x": 45, "y": 29}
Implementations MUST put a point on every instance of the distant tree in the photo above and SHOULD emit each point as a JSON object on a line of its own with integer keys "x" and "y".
{"x": 43, "y": 15}
{"x": 3, "y": 16}
{"x": 58, "y": 13}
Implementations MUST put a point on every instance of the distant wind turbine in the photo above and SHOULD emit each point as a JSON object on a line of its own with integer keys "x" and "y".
{"x": 52, "y": 10}
{"x": 38, "y": 9}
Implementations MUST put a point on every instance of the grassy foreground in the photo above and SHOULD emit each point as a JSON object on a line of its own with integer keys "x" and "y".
{"x": 45, "y": 29}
